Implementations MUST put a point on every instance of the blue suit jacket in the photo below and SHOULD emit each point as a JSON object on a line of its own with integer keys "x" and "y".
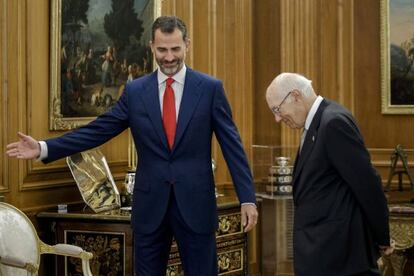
{"x": 187, "y": 167}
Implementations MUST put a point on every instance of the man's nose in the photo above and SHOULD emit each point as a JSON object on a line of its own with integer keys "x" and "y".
{"x": 169, "y": 57}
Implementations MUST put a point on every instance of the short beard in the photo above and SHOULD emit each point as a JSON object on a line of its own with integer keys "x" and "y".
{"x": 170, "y": 71}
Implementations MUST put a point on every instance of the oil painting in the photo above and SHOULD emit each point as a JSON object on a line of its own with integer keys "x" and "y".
{"x": 97, "y": 46}
{"x": 397, "y": 56}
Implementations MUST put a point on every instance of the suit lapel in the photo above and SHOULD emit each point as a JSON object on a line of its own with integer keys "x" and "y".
{"x": 191, "y": 96}
{"x": 152, "y": 104}
{"x": 309, "y": 142}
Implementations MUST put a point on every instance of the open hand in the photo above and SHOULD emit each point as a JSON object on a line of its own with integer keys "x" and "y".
{"x": 25, "y": 148}
{"x": 249, "y": 216}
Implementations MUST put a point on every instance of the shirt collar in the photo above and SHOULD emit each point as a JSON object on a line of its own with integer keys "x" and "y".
{"x": 312, "y": 112}
{"x": 178, "y": 77}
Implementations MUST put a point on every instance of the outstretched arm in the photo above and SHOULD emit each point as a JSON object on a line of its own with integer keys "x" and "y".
{"x": 25, "y": 148}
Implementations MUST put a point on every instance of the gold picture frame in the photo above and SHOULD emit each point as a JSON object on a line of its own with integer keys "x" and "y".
{"x": 397, "y": 56}
{"x": 90, "y": 61}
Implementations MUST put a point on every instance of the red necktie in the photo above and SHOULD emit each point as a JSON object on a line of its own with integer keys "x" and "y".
{"x": 168, "y": 112}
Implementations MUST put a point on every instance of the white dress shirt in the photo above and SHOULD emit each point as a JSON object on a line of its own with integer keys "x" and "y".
{"x": 177, "y": 86}
{"x": 312, "y": 112}
{"x": 309, "y": 119}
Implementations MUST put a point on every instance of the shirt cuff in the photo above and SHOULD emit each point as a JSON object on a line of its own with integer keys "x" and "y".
{"x": 249, "y": 203}
{"x": 43, "y": 151}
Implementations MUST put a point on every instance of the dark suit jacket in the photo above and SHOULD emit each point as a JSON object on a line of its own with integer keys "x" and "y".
{"x": 341, "y": 214}
{"x": 187, "y": 168}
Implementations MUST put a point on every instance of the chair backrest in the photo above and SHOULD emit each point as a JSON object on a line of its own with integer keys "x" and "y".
{"x": 19, "y": 243}
{"x": 20, "y": 246}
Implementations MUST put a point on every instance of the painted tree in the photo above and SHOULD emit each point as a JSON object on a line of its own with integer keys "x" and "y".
{"x": 74, "y": 13}
{"x": 122, "y": 23}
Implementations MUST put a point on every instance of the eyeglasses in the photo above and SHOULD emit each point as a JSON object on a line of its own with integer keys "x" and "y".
{"x": 276, "y": 109}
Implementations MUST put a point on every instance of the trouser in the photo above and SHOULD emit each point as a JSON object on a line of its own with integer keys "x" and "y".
{"x": 197, "y": 251}
{"x": 370, "y": 272}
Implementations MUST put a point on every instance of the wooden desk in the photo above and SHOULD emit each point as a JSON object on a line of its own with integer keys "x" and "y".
{"x": 109, "y": 237}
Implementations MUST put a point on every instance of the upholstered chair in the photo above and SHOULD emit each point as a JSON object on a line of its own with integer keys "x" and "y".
{"x": 20, "y": 246}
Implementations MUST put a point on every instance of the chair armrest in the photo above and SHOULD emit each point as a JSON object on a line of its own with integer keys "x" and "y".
{"x": 65, "y": 250}
{"x": 69, "y": 251}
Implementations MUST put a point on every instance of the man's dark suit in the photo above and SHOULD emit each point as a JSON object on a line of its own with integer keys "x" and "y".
{"x": 187, "y": 167}
{"x": 341, "y": 214}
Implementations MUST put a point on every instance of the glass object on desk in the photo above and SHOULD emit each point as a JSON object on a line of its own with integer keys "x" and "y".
{"x": 272, "y": 171}
{"x": 280, "y": 177}
{"x": 129, "y": 182}
{"x": 128, "y": 189}
{"x": 94, "y": 179}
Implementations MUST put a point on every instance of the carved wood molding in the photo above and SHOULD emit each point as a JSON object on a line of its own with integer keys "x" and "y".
{"x": 381, "y": 156}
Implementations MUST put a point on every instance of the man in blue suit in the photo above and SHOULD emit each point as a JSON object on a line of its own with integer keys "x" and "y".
{"x": 172, "y": 114}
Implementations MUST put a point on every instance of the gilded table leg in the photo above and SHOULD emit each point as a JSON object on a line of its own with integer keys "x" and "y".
{"x": 394, "y": 264}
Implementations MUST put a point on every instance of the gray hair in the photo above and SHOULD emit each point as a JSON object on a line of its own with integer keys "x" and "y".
{"x": 287, "y": 82}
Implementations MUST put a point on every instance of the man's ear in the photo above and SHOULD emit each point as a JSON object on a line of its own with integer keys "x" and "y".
{"x": 151, "y": 46}
{"x": 187, "y": 44}
{"x": 296, "y": 95}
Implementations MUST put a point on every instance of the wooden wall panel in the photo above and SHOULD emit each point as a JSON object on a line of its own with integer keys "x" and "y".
{"x": 9, "y": 65}
{"x": 3, "y": 96}
{"x": 346, "y": 54}
{"x": 234, "y": 64}
{"x": 201, "y": 33}
{"x": 267, "y": 61}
